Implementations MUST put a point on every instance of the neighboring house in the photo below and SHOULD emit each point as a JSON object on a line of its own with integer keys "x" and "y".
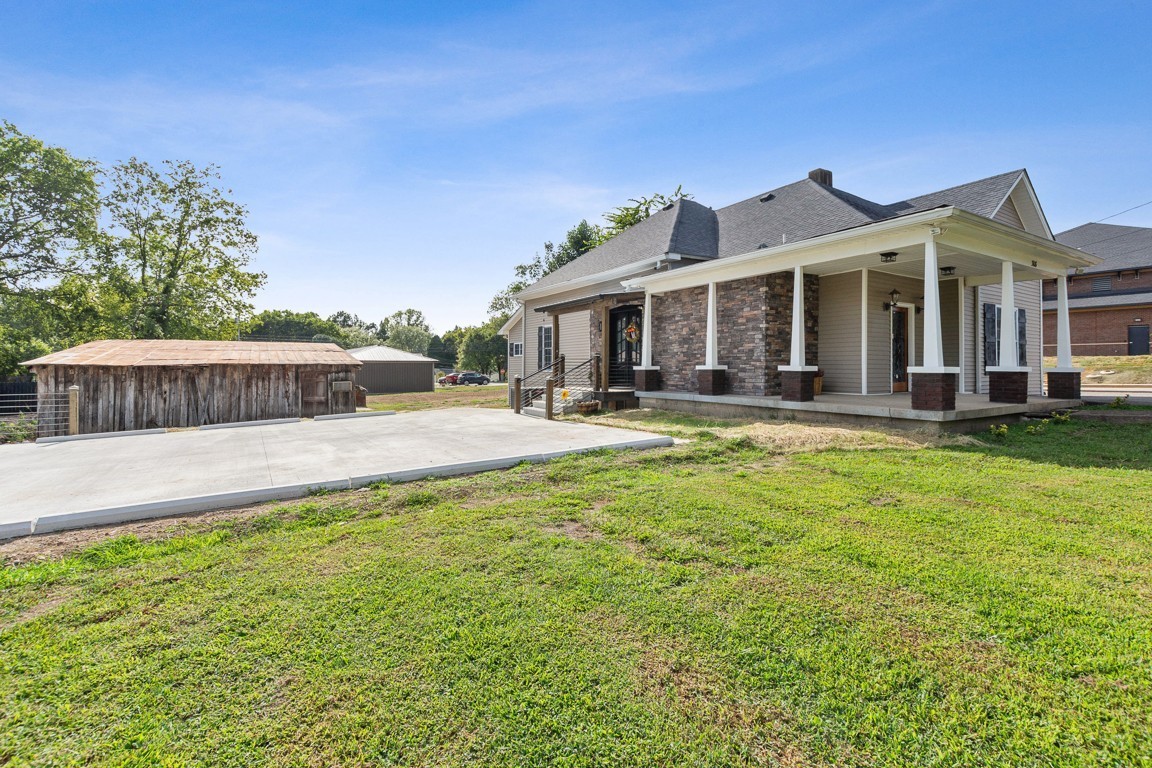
{"x": 145, "y": 383}
{"x": 1110, "y": 303}
{"x": 698, "y": 305}
{"x": 388, "y": 370}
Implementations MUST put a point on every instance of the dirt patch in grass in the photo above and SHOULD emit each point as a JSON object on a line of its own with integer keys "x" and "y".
{"x": 42, "y": 608}
{"x": 493, "y": 396}
{"x": 573, "y": 530}
{"x": 52, "y": 546}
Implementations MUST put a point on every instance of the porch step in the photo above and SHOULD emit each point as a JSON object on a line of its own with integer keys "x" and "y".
{"x": 533, "y": 411}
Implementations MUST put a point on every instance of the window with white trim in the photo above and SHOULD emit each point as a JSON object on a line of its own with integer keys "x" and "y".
{"x": 992, "y": 336}
{"x": 515, "y": 349}
{"x": 543, "y": 346}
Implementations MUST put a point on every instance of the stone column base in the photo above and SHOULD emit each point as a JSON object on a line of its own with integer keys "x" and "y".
{"x": 1064, "y": 385}
{"x": 1008, "y": 387}
{"x": 646, "y": 379}
{"x": 798, "y": 386}
{"x": 933, "y": 391}
{"x": 711, "y": 381}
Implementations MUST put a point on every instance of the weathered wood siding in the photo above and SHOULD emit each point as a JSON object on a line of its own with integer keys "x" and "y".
{"x": 114, "y": 399}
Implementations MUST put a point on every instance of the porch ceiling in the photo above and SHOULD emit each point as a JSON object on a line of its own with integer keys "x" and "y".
{"x": 910, "y": 263}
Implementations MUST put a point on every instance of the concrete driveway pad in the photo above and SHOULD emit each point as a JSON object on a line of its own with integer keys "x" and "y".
{"x": 54, "y": 486}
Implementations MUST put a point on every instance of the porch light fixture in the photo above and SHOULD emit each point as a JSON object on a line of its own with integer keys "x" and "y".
{"x": 888, "y": 257}
{"x": 947, "y": 271}
{"x": 895, "y": 296}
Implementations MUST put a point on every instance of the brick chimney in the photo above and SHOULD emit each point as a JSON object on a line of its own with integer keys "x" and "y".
{"x": 821, "y": 176}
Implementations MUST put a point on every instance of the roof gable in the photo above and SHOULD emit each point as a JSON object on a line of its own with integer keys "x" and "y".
{"x": 1120, "y": 247}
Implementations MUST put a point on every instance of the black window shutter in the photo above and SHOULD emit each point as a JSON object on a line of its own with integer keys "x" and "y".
{"x": 1021, "y": 337}
{"x": 991, "y": 345}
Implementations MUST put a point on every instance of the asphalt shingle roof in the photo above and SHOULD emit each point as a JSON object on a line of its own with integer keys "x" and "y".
{"x": 1119, "y": 246}
{"x": 797, "y": 211}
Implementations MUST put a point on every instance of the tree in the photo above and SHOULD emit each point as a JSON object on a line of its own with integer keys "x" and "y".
{"x": 619, "y": 219}
{"x": 484, "y": 349}
{"x": 286, "y": 325}
{"x": 48, "y": 206}
{"x": 173, "y": 263}
{"x": 410, "y": 339}
{"x": 404, "y": 318}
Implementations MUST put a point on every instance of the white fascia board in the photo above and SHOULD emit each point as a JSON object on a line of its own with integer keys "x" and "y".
{"x": 511, "y": 323}
{"x": 858, "y": 241}
{"x": 597, "y": 277}
{"x": 1026, "y": 180}
{"x": 1007, "y": 243}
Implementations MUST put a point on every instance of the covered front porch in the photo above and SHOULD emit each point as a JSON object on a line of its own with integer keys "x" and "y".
{"x": 933, "y": 317}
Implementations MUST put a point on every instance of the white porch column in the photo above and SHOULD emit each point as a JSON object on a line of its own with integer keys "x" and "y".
{"x": 1063, "y": 326}
{"x": 933, "y": 330}
{"x": 710, "y": 341}
{"x": 646, "y": 339}
{"x": 797, "y": 359}
{"x": 1008, "y": 328}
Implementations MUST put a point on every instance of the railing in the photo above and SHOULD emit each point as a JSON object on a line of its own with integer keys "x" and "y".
{"x": 556, "y": 383}
{"x": 621, "y": 375}
{"x": 27, "y": 416}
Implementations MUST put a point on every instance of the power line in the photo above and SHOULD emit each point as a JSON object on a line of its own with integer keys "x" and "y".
{"x": 1122, "y": 212}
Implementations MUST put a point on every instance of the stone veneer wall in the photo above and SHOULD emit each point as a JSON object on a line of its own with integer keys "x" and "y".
{"x": 754, "y": 316}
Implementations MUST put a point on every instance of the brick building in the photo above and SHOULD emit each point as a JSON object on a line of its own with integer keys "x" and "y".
{"x": 808, "y": 287}
{"x": 1110, "y": 303}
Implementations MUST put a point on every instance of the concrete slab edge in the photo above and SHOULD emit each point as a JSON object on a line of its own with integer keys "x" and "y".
{"x": 331, "y": 416}
{"x": 101, "y": 435}
{"x": 289, "y": 420}
{"x": 173, "y": 507}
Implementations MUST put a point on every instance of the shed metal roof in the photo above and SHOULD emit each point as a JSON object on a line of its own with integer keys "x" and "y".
{"x": 382, "y": 354}
{"x": 180, "y": 352}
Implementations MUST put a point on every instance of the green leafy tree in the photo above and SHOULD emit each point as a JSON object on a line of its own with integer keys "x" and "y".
{"x": 173, "y": 264}
{"x": 452, "y": 341}
{"x": 404, "y": 318}
{"x": 625, "y": 216}
{"x": 409, "y": 338}
{"x": 286, "y": 325}
{"x": 48, "y": 208}
{"x": 483, "y": 349}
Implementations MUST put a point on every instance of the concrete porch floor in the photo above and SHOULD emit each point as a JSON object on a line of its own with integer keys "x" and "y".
{"x": 973, "y": 412}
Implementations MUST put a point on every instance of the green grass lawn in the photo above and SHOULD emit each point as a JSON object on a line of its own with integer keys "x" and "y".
{"x": 491, "y": 396}
{"x": 1124, "y": 369}
{"x": 765, "y": 595}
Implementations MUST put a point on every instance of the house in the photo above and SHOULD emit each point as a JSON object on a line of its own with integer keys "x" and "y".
{"x": 386, "y": 370}
{"x": 147, "y": 383}
{"x": 927, "y": 308}
{"x": 1110, "y": 303}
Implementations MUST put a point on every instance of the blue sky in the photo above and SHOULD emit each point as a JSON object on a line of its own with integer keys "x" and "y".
{"x": 410, "y": 154}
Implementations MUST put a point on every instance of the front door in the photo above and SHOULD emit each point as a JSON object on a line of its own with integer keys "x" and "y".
{"x": 900, "y": 349}
{"x": 313, "y": 394}
{"x": 1137, "y": 339}
{"x": 624, "y": 345}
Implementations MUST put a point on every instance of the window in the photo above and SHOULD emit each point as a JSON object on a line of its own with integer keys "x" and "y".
{"x": 544, "y": 346}
{"x": 992, "y": 336}
{"x": 1101, "y": 284}
{"x": 515, "y": 349}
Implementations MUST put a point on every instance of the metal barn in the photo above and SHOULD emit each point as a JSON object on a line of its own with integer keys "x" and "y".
{"x": 145, "y": 383}
{"x": 389, "y": 370}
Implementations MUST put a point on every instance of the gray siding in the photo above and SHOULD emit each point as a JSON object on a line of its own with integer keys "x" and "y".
{"x": 575, "y": 340}
{"x": 515, "y": 364}
{"x": 1028, "y": 297}
{"x": 950, "y": 321}
{"x": 880, "y": 326}
{"x": 380, "y": 377}
{"x": 971, "y": 342}
{"x": 1009, "y": 215}
{"x": 840, "y": 332}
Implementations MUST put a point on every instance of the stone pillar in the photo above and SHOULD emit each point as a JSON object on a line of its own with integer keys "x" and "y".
{"x": 797, "y": 380}
{"x": 933, "y": 384}
{"x": 647, "y": 376}
{"x": 711, "y": 377}
{"x": 934, "y": 391}
{"x": 1064, "y": 379}
{"x": 1008, "y": 381}
{"x": 1008, "y": 386}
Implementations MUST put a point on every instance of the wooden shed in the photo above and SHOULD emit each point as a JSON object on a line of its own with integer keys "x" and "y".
{"x": 145, "y": 383}
{"x": 394, "y": 370}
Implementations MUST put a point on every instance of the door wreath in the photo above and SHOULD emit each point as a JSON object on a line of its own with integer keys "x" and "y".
{"x": 632, "y": 333}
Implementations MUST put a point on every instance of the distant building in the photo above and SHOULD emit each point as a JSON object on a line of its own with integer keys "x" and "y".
{"x": 1110, "y": 304}
{"x": 386, "y": 370}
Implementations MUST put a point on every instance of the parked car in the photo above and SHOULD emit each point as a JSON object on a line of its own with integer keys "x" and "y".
{"x": 471, "y": 377}
{"x": 448, "y": 378}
